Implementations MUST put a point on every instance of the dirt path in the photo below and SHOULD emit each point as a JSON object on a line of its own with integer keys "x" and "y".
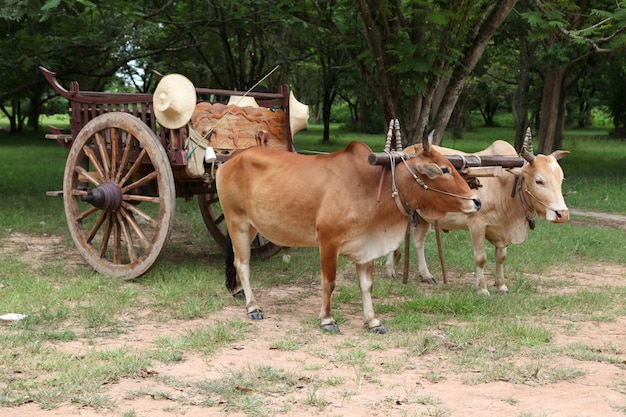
{"x": 395, "y": 383}
{"x": 412, "y": 390}
{"x": 600, "y": 219}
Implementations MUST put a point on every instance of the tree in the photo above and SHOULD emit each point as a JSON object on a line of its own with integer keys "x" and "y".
{"x": 572, "y": 34}
{"x": 89, "y": 42}
{"x": 611, "y": 83}
{"x": 332, "y": 34}
{"x": 424, "y": 53}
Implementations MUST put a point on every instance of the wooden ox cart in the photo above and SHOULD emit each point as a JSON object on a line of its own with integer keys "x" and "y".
{"x": 125, "y": 168}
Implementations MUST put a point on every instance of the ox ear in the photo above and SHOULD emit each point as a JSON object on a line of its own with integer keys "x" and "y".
{"x": 430, "y": 169}
{"x": 559, "y": 154}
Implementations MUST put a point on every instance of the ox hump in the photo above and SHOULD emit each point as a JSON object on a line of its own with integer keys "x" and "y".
{"x": 499, "y": 147}
{"x": 358, "y": 148}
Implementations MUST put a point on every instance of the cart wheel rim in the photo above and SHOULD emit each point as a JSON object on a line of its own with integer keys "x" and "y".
{"x": 119, "y": 195}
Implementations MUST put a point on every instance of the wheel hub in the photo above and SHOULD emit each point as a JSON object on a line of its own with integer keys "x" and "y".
{"x": 107, "y": 196}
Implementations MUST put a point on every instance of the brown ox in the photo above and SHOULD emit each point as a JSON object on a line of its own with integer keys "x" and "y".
{"x": 329, "y": 201}
{"x": 509, "y": 204}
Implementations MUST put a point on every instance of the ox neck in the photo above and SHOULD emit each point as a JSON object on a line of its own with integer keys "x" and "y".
{"x": 520, "y": 187}
{"x": 406, "y": 208}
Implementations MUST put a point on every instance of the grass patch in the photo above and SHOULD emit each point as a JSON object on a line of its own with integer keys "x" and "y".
{"x": 246, "y": 390}
{"x": 208, "y": 339}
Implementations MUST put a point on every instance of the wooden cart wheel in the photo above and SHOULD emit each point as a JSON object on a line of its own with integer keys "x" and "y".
{"x": 215, "y": 224}
{"x": 119, "y": 195}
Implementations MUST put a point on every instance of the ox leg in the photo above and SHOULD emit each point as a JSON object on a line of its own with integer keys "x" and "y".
{"x": 393, "y": 258}
{"x": 241, "y": 247}
{"x": 500, "y": 281}
{"x": 328, "y": 259}
{"x": 480, "y": 258}
{"x": 364, "y": 272}
{"x": 420, "y": 230}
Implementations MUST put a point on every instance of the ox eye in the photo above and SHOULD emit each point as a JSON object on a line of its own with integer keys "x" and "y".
{"x": 445, "y": 170}
{"x": 540, "y": 181}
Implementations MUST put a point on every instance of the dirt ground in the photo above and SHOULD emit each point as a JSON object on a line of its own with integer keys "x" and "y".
{"x": 600, "y": 392}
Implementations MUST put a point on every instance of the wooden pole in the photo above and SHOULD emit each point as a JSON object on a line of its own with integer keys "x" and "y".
{"x": 444, "y": 273}
{"x": 407, "y": 251}
{"x": 458, "y": 161}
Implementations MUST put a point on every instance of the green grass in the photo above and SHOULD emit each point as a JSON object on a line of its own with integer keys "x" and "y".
{"x": 431, "y": 329}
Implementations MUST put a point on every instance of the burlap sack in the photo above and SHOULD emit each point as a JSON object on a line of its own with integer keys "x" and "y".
{"x": 196, "y": 145}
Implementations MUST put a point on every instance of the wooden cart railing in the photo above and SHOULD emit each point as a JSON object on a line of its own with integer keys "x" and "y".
{"x": 87, "y": 105}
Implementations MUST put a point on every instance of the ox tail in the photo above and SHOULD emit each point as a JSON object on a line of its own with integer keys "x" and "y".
{"x": 231, "y": 271}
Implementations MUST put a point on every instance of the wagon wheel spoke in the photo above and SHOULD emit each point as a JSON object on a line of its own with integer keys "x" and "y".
{"x": 104, "y": 155}
{"x": 87, "y": 213}
{"x": 142, "y": 181}
{"x": 211, "y": 198}
{"x": 105, "y": 236}
{"x": 130, "y": 220}
{"x": 119, "y": 195}
{"x": 125, "y": 157}
{"x": 96, "y": 227}
{"x": 85, "y": 174}
{"x": 93, "y": 158}
{"x": 117, "y": 242}
{"x": 140, "y": 198}
{"x": 130, "y": 249}
{"x": 140, "y": 213}
{"x": 219, "y": 220}
{"x": 115, "y": 149}
{"x": 133, "y": 169}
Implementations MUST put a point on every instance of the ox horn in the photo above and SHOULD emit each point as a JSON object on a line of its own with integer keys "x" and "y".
{"x": 559, "y": 154}
{"x": 527, "y": 147}
{"x": 427, "y": 142}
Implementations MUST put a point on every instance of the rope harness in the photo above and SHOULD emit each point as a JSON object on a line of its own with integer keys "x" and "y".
{"x": 530, "y": 213}
{"x": 406, "y": 208}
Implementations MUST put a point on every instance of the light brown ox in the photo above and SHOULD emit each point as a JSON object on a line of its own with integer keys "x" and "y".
{"x": 509, "y": 204}
{"x": 329, "y": 201}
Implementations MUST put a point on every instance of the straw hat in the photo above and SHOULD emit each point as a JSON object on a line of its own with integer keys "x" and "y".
{"x": 242, "y": 101}
{"x": 298, "y": 115}
{"x": 174, "y": 101}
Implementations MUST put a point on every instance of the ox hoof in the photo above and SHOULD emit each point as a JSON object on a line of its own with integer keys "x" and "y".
{"x": 503, "y": 290}
{"x": 430, "y": 280}
{"x": 484, "y": 292}
{"x": 256, "y": 314}
{"x": 330, "y": 327}
{"x": 390, "y": 273}
{"x": 380, "y": 329}
{"x": 239, "y": 294}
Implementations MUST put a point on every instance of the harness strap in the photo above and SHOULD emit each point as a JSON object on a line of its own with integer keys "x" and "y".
{"x": 529, "y": 211}
{"x": 405, "y": 208}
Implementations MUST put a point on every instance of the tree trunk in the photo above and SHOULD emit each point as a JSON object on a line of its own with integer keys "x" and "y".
{"x": 34, "y": 110}
{"x": 329, "y": 96}
{"x": 458, "y": 115}
{"x": 387, "y": 90}
{"x": 466, "y": 65}
{"x": 552, "y": 109}
{"x": 520, "y": 99}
